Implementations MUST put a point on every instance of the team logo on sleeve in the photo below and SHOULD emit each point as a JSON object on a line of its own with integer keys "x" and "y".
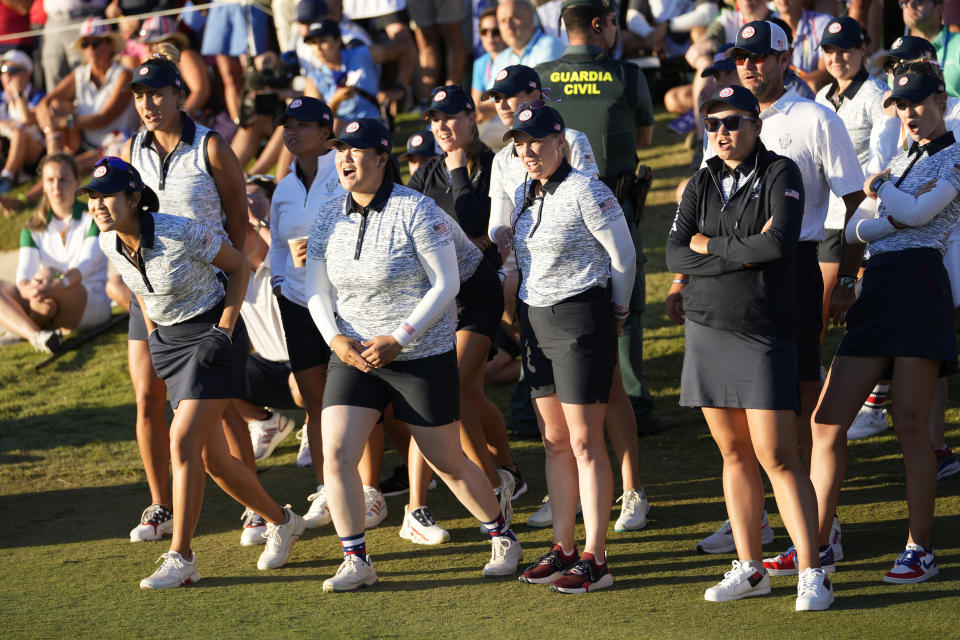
{"x": 353, "y": 126}
{"x": 503, "y": 74}
{"x": 835, "y": 27}
{"x": 100, "y": 172}
{"x": 792, "y": 193}
{"x": 726, "y": 92}
{"x": 296, "y": 103}
{"x": 440, "y": 227}
{"x": 608, "y": 205}
{"x": 956, "y": 169}
{"x": 416, "y": 140}
{"x": 525, "y": 115}
{"x": 441, "y": 95}
{"x": 748, "y": 32}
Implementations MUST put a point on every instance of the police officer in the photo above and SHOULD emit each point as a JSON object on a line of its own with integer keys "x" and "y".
{"x": 608, "y": 99}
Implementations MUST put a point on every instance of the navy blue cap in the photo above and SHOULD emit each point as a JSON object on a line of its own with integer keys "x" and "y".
{"x": 307, "y": 109}
{"x": 759, "y": 37}
{"x": 321, "y": 28}
{"x": 597, "y": 5}
{"x": 537, "y": 120}
{"x": 908, "y": 48}
{"x": 422, "y": 144}
{"x": 721, "y": 63}
{"x": 156, "y": 75}
{"x": 914, "y": 87}
{"x": 113, "y": 175}
{"x": 735, "y": 96}
{"x": 843, "y": 33}
{"x": 311, "y": 10}
{"x": 364, "y": 133}
{"x": 451, "y": 99}
{"x": 512, "y": 80}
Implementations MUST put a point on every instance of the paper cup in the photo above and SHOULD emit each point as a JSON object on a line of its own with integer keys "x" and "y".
{"x": 294, "y": 244}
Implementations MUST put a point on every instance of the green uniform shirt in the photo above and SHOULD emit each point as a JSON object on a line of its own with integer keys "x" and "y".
{"x": 605, "y": 98}
{"x": 947, "y": 46}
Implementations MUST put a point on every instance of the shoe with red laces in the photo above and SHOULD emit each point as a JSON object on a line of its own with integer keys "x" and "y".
{"x": 583, "y": 577}
{"x": 785, "y": 564}
{"x": 916, "y": 564}
{"x": 549, "y": 566}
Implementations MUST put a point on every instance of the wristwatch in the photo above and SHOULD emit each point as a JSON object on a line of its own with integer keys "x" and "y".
{"x": 877, "y": 183}
{"x": 847, "y": 282}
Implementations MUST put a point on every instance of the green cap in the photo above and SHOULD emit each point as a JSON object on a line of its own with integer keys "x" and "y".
{"x": 599, "y": 5}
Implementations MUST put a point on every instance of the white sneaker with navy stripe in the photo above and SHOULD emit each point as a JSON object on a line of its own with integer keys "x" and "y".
{"x": 814, "y": 590}
{"x": 721, "y": 540}
{"x": 254, "y": 526}
{"x": 156, "y": 521}
{"x": 740, "y": 582}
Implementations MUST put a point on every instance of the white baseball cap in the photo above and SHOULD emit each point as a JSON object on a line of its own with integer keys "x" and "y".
{"x": 17, "y": 58}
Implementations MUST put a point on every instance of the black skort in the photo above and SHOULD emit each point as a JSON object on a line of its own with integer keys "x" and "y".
{"x": 305, "y": 344}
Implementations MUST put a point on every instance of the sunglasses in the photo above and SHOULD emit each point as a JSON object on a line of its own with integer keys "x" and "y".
{"x": 916, "y": 3}
{"x": 755, "y": 58}
{"x": 490, "y": 32}
{"x": 11, "y": 69}
{"x": 92, "y": 42}
{"x": 730, "y": 123}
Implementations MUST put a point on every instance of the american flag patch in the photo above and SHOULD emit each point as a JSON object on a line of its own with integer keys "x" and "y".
{"x": 956, "y": 169}
{"x": 792, "y": 193}
{"x": 608, "y": 205}
{"x": 440, "y": 227}
{"x": 408, "y": 328}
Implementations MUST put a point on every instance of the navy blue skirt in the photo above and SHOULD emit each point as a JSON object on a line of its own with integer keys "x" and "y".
{"x": 173, "y": 350}
{"x": 905, "y": 309}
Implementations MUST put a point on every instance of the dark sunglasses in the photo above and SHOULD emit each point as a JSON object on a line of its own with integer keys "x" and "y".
{"x": 755, "y": 58}
{"x": 11, "y": 69}
{"x": 730, "y": 123}
{"x": 490, "y": 32}
{"x": 92, "y": 42}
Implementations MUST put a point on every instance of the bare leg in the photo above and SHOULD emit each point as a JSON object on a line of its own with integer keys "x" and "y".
{"x": 118, "y": 291}
{"x": 345, "y": 433}
{"x": 561, "y": 470}
{"x": 420, "y": 474}
{"x": 153, "y": 437}
{"x": 937, "y": 423}
{"x": 249, "y": 411}
{"x": 372, "y": 460}
{"x": 14, "y": 314}
{"x": 428, "y": 46}
{"x": 232, "y": 75}
{"x": 455, "y": 50}
{"x": 472, "y": 349}
{"x": 311, "y": 382}
{"x": 71, "y": 303}
{"x": 809, "y": 392}
{"x": 829, "y": 271}
{"x": 237, "y": 436}
{"x": 585, "y": 426}
{"x": 621, "y": 425}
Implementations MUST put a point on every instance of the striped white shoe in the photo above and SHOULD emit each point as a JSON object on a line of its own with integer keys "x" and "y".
{"x": 375, "y": 506}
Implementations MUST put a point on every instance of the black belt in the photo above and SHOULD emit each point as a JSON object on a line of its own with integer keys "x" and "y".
{"x": 592, "y": 294}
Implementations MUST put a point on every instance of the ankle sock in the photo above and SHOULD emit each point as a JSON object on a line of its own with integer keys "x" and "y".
{"x": 355, "y": 545}
{"x": 499, "y": 527}
{"x": 877, "y": 397}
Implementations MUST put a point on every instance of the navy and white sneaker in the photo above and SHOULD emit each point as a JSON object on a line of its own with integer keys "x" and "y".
{"x": 740, "y": 582}
{"x": 836, "y": 536}
{"x": 254, "y": 526}
{"x": 155, "y": 522}
{"x": 814, "y": 590}
{"x": 916, "y": 564}
{"x": 947, "y": 464}
{"x": 785, "y": 564}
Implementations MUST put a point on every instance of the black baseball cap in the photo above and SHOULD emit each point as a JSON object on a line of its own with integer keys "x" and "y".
{"x": 113, "y": 175}
{"x": 908, "y": 48}
{"x": 451, "y": 100}
{"x": 364, "y": 133}
{"x": 843, "y": 33}
{"x": 513, "y": 80}
{"x": 321, "y": 28}
{"x": 721, "y": 63}
{"x": 537, "y": 120}
{"x": 761, "y": 38}
{"x": 308, "y": 110}
{"x": 422, "y": 144}
{"x": 599, "y": 5}
{"x": 155, "y": 75}
{"x": 914, "y": 87}
{"x": 311, "y": 10}
{"x": 735, "y": 96}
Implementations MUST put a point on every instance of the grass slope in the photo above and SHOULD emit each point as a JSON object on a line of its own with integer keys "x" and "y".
{"x": 71, "y": 486}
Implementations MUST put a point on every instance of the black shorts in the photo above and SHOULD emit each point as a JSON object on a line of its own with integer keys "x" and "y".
{"x": 829, "y": 250}
{"x": 425, "y": 392}
{"x": 305, "y": 344}
{"x": 269, "y": 383}
{"x": 136, "y": 326}
{"x": 810, "y": 300}
{"x": 380, "y": 23}
{"x": 507, "y": 343}
{"x": 570, "y": 348}
{"x": 480, "y": 302}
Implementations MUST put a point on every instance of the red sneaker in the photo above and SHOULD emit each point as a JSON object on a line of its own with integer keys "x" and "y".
{"x": 583, "y": 577}
{"x": 549, "y": 566}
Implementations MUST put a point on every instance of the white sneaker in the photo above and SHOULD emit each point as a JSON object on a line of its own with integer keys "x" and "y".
{"x": 174, "y": 572}
{"x": 739, "y": 582}
{"x": 868, "y": 422}
{"x": 253, "y": 529}
{"x": 352, "y": 574}
{"x": 505, "y": 494}
{"x": 633, "y": 512}
{"x": 318, "y": 514}
{"x": 46, "y": 341}
{"x": 375, "y": 506}
{"x": 543, "y": 517}
{"x": 267, "y": 434}
{"x": 155, "y": 522}
{"x": 836, "y": 536}
{"x": 814, "y": 590}
{"x": 420, "y": 527}
{"x": 505, "y": 555}
{"x": 280, "y": 540}
{"x": 303, "y": 455}
{"x": 721, "y": 540}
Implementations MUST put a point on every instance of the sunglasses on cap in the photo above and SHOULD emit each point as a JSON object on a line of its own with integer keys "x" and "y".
{"x": 730, "y": 123}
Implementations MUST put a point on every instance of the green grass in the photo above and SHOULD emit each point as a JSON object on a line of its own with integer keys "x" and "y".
{"x": 71, "y": 486}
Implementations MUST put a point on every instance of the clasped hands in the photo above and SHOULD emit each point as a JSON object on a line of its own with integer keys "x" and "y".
{"x": 367, "y": 355}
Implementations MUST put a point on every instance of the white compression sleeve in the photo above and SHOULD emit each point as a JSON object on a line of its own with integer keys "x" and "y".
{"x": 916, "y": 211}
{"x": 699, "y": 17}
{"x": 637, "y": 23}
{"x": 444, "y": 274}
{"x": 865, "y": 226}
{"x": 319, "y": 294}
{"x": 615, "y": 238}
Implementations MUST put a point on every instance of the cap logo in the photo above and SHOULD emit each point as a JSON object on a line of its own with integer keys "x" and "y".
{"x": 441, "y": 95}
{"x": 503, "y": 74}
{"x": 144, "y": 71}
{"x": 326, "y": 116}
{"x": 556, "y": 125}
{"x": 532, "y": 84}
{"x": 748, "y": 32}
{"x": 726, "y": 92}
{"x": 416, "y": 140}
{"x": 897, "y": 43}
{"x": 525, "y": 115}
{"x": 939, "y": 87}
{"x": 384, "y": 143}
{"x": 836, "y": 27}
{"x": 780, "y": 43}
{"x": 296, "y": 103}
{"x": 903, "y": 80}
{"x": 132, "y": 185}
{"x": 353, "y": 126}
{"x": 99, "y": 172}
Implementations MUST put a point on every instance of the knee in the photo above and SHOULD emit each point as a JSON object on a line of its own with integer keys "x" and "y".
{"x": 212, "y": 463}
{"x": 671, "y": 100}
{"x": 778, "y": 460}
{"x": 584, "y": 451}
{"x": 151, "y": 400}
{"x": 337, "y": 461}
{"x": 737, "y": 452}
{"x": 184, "y": 447}
{"x": 553, "y": 446}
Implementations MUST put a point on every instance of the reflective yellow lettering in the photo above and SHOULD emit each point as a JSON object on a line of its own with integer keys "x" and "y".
{"x": 555, "y": 76}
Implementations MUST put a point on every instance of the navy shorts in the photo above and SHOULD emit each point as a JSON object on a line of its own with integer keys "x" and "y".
{"x": 829, "y": 249}
{"x": 269, "y": 383}
{"x": 305, "y": 344}
{"x": 480, "y": 302}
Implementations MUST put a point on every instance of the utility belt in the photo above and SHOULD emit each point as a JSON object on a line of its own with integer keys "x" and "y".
{"x": 631, "y": 187}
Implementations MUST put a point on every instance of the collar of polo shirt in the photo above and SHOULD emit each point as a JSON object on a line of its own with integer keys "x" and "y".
{"x": 557, "y": 177}
{"x": 932, "y": 147}
{"x": 146, "y": 233}
{"x": 852, "y": 88}
{"x": 188, "y": 131}
{"x": 379, "y": 199}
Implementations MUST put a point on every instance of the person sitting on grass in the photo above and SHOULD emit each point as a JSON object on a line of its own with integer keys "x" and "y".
{"x": 18, "y": 122}
{"x": 61, "y": 280}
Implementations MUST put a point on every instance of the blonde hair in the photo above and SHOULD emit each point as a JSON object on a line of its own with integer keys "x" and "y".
{"x": 38, "y": 219}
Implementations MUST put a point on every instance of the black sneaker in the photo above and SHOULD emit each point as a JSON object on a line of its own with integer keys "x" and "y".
{"x": 397, "y": 484}
{"x": 519, "y": 485}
